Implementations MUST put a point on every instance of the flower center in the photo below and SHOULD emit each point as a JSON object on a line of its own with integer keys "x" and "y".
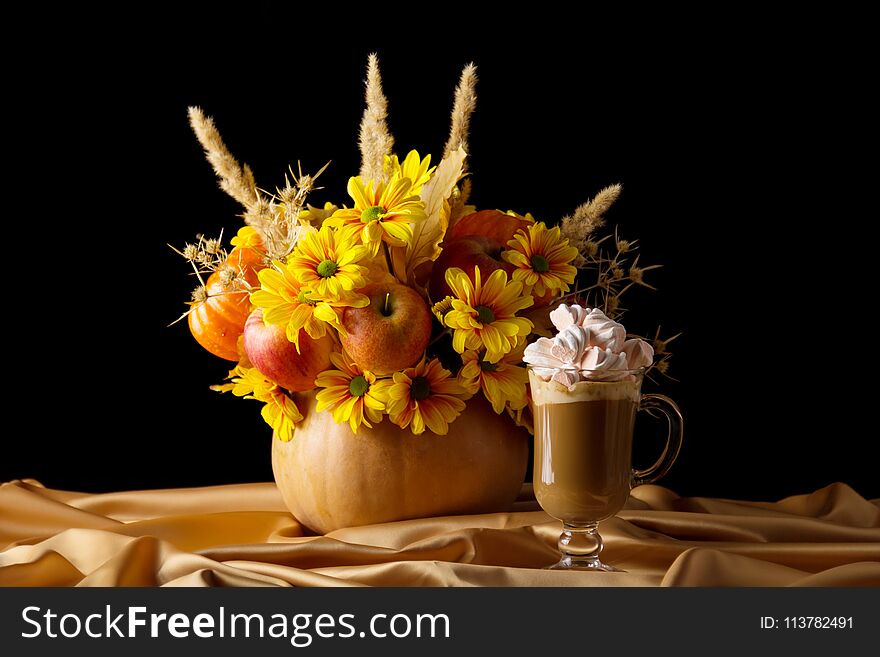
{"x": 540, "y": 264}
{"x": 303, "y": 297}
{"x": 488, "y": 367}
{"x": 485, "y": 314}
{"x": 327, "y": 268}
{"x": 358, "y": 386}
{"x": 372, "y": 214}
{"x": 420, "y": 388}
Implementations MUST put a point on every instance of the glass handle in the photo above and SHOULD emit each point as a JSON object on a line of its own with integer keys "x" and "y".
{"x": 654, "y": 404}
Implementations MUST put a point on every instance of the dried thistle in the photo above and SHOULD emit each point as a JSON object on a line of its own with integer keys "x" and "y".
{"x": 609, "y": 268}
{"x": 375, "y": 140}
{"x": 227, "y": 275}
{"x": 260, "y": 215}
{"x": 281, "y": 226}
{"x": 614, "y": 273}
{"x": 212, "y": 246}
{"x": 190, "y": 252}
{"x": 207, "y": 256}
{"x": 637, "y": 274}
{"x": 662, "y": 355}
{"x": 235, "y": 179}
{"x": 661, "y": 347}
{"x": 464, "y": 105}
{"x": 199, "y": 295}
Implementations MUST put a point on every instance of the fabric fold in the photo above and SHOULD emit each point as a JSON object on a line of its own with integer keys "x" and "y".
{"x": 242, "y": 535}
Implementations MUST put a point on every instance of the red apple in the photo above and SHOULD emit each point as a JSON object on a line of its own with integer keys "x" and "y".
{"x": 269, "y": 350}
{"x": 466, "y": 253}
{"x": 391, "y": 333}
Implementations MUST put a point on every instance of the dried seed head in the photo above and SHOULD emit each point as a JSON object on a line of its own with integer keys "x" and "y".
{"x": 227, "y": 275}
{"x": 660, "y": 346}
{"x": 636, "y": 275}
{"x": 590, "y": 248}
{"x": 623, "y": 246}
{"x": 287, "y": 196}
{"x": 190, "y": 252}
{"x": 617, "y": 273}
{"x": 212, "y": 246}
{"x": 662, "y": 366}
{"x": 200, "y": 294}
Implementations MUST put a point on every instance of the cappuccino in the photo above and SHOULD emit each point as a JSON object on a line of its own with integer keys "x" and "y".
{"x": 583, "y": 447}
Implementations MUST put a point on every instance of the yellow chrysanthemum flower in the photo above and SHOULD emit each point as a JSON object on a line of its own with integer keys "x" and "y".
{"x": 485, "y": 315}
{"x": 503, "y": 383}
{"x": 441, "y": 308}
{"x": 331, "y": 309}
{"x": 423, "y": 397}
{"x": 287, "y": 302}
{"x": 526, "y": 217}
{"x": 248, "y": 237}
{"x": 417, "y": 170}
{"x": 381, "y": 212}
{"x": 295, "y": 306}
{"x": 350, "y": 393}
{"x": 279, "y": 410}
{"x": 327, "y": 261}
{"x": 542, "y": 258}
{"x": 314, "y": 216}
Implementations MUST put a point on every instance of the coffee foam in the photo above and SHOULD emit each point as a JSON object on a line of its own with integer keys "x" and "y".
{"x": 551, "y": 392}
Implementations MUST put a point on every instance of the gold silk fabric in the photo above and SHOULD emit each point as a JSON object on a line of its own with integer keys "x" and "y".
{"x": 243, "y": 535}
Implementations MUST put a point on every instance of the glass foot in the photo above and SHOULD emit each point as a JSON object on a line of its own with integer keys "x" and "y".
{"x": 568, "y": 563}
{"x": 580, "y": 548}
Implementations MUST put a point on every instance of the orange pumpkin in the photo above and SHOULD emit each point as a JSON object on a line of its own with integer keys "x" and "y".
{"x": 219, "y": 321}
{"x": 493, "y": 224}
{"x": 331, "y": 478}
{"x": 248, "y": 260}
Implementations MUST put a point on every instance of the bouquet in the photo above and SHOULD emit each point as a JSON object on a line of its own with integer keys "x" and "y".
{"x": 402, "y": 302}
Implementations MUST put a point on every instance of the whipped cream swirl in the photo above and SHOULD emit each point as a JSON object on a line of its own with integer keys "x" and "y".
{"x": 589, "y": 345}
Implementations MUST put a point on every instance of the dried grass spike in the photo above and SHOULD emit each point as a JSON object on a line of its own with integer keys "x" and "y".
{"x": 604, "y": 200}
{"x": 235, "y": 180}
{"x": 464, "y": 105}
{"x": 375, "y": 140}
{"x": 588, "y": 218}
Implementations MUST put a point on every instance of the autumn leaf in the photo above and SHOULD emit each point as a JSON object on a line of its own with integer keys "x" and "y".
{"x": 398, "y": 263}
{"x": 427, "y": 235}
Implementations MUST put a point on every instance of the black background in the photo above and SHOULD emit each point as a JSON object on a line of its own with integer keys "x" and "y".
{"x": 731, "y": 140}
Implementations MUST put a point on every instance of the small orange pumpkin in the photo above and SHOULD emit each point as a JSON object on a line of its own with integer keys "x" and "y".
{"x": 218, "y": 322}
{"x": 248, "y": 260}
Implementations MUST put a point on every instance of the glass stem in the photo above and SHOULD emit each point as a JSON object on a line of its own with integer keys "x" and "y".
{"x": 580, "y": 545}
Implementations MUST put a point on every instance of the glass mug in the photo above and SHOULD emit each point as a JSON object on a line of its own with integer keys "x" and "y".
{"x": 583, "y": 454}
